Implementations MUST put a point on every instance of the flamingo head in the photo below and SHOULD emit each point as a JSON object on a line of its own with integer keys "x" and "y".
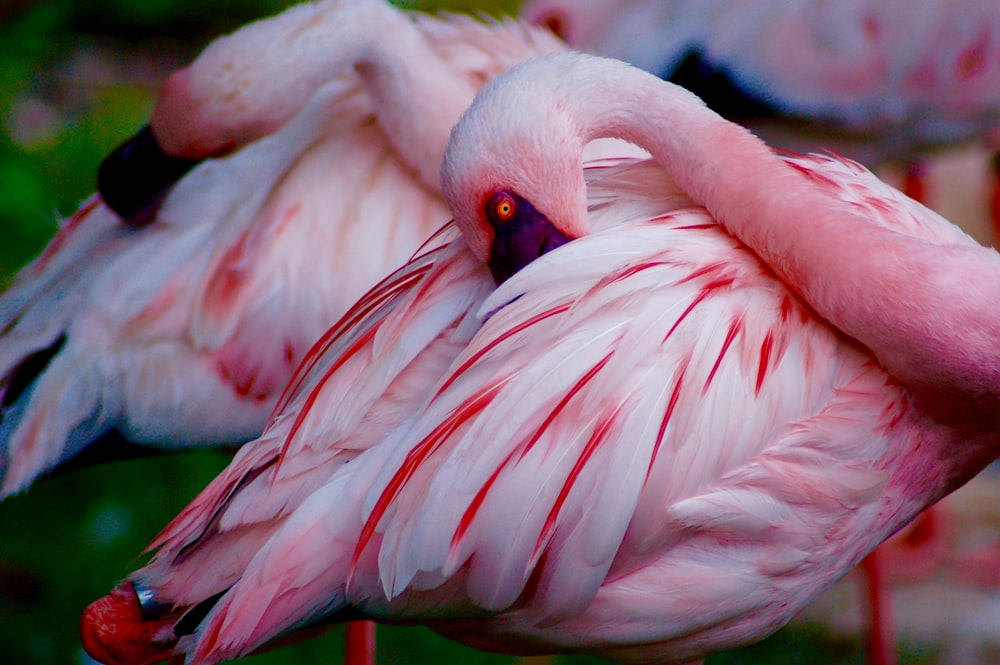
{"x": 514, "y": 181}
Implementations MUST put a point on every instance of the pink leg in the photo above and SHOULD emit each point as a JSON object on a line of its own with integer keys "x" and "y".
{"x": 881, "y": 633}
{"x": 995, "y": 196}
{"x": 914, "y": 554}
{"x": 915, "y": 182}
{"x": 918, "y": 551}
{"x": 359, "y": 643}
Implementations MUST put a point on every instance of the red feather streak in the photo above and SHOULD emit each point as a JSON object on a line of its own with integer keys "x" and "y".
{"x": 630, "y": 271}
{"x": 766, "y": 347}
{"x": 477, "y": 501}
{"x": 474, "y": 358}
{"x": 359, "y": 344}
{"x": 415, "y": 458}
{"x": 599, "y": 436}
{"x": 671, "y": 404}
{"x": 65, "y": 232}
{"x": 734, "y": 329}
{"x": 368, "y": 303}
{"x": 814, "y": 174}
{"x": 705, "y": 291}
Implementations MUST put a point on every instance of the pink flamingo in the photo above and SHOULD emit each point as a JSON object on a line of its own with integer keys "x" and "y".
{"x": 183, "y": 333}
{"x": 874, "y": 80}
{"x": 603, "y": 454}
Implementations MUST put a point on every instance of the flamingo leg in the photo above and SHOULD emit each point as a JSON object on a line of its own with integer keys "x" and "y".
{"x": 915, "y": 182}
{"x": 881, "y": 632}
{"x": 359, "y": 643}
{"x": 995, "y": 194}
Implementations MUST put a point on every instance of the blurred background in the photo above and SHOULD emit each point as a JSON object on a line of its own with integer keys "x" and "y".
{"x": 78, "y": 78}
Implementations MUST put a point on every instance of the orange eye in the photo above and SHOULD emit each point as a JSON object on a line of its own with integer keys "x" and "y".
{"x": 505, "y": 209}
{"x": 501, "y": 207}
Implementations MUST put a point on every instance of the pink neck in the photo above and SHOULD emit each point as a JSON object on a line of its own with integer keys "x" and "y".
{"x": 247, "y": 85}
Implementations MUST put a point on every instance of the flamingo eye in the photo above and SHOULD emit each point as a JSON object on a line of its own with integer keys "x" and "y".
{"x": 501, "y": 207}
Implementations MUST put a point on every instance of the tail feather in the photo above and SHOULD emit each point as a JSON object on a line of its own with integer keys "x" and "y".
{"x": 46, "y": 292}
{"x": 22, "y": 365}
{"x": 51, "y": 411}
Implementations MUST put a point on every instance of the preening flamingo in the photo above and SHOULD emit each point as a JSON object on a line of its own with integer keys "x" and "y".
{"x": 183, "y": 333}
{"x": 732, "y": 377}
{"x": 874, "y": 80}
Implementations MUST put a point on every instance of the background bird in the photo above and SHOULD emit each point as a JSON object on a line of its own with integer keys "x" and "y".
{"x": 184, "y": 333}
{"x": 196, "y": 351}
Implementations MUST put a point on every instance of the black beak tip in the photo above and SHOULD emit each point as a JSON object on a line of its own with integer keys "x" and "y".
{"x": 135, "y": 178}
{"x": 521, "y": 242}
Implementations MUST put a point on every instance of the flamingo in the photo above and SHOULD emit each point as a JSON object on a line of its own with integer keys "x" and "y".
{"x": 874, "y": 80}
{"x": 645, "y": 410}
{"x": 183, "y": 332}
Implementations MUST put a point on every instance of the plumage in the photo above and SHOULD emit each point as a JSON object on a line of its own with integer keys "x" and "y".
{"x": 184, "y": 332}
{"x": 659, "y": 440}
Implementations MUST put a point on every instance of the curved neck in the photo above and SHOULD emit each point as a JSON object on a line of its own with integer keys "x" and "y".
{"x": 248, "y": 84}
{"x": 926, "y": 310}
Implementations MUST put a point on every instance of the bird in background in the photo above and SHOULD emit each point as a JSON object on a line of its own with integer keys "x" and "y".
{"x": 170, "y": 310}
{"x": 646, "y": 410}
{"x": 873, "y": 80}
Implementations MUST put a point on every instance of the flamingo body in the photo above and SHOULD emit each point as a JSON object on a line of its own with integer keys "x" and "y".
{"x": 239, "y": 277}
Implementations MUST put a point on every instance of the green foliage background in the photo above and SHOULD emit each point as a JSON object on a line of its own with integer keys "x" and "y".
{"x": 69, "y": 539}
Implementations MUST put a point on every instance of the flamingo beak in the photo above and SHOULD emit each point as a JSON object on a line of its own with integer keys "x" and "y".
{"x": 521, "y": 239}
{"x": 114, "y": 631}
{"x": 135, "y": 178}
